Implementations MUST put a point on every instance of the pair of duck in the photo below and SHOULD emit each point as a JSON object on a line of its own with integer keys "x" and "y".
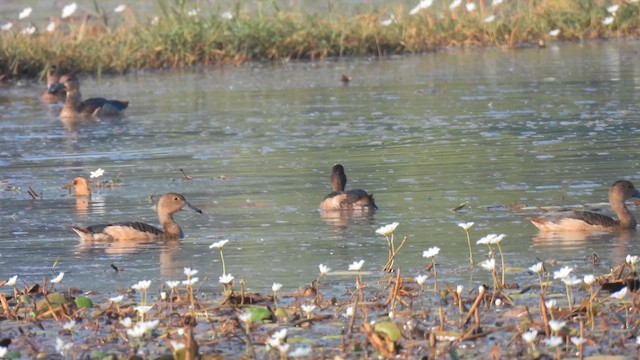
{"x": 66, "y": 88}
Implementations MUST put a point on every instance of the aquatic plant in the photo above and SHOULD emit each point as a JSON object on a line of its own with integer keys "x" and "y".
{"x": 431, "y": 254}
{"x": 388, "y": 232}
{"x": 219, "y": 245}
{"x": 173, "y": 35}
{"x": 466, "y": 227}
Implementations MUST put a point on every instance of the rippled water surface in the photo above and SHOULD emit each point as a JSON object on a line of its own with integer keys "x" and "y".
{"x": 493, "y": 128}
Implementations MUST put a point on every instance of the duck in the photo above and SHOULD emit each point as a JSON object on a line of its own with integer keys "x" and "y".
{"x": 80, "y": 187}
{"x": 55, "y": 91}
{"x": 339, "y": 199}
{"x": 587, "y": 221}
{"x": 74, "y": 106}
{"x": 168, "y": 205}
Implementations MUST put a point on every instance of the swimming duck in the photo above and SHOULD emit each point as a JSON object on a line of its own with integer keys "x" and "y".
{"x": 74, "y": 105}
{"x": 55, "y": 89}
{"x": 168, "y": 204}
{"x": 619, "y": 192}
{"x": 80, "y": 186}
{"x": 345, "y": 200}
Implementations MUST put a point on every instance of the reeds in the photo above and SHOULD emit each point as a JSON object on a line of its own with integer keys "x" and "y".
{"x": 178, "y": 36}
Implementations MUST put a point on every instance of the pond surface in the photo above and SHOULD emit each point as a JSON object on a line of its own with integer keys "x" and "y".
{"x": 494, "y": 128}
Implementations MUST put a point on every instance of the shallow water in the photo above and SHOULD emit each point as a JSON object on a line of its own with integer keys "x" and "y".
{"x": 493, "y": 128}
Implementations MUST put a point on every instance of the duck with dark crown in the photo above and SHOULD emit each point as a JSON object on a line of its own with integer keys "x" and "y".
{"x": 74, "y": 106}
{"x": 55, "y": 89}
{"x": 587, "y": 221}
{"x": 339, "y": 199}
{"x": 168, "y": 205}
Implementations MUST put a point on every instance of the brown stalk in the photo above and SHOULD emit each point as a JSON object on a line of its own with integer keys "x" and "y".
{"x": 474, "y": 306}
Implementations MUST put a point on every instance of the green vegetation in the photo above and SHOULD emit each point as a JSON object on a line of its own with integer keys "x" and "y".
{"x": 177, "y": 36}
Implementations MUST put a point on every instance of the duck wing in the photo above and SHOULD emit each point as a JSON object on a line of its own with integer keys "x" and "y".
{"x": 595, "y": 219}
{"x": 102, "y": 107}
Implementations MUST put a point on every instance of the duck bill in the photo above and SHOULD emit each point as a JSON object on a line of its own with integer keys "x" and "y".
{"x": 194, "y": 208}
{"x": 636, "y": 194}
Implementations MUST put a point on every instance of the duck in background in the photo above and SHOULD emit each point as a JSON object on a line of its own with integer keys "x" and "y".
{"x": 168, "y": 205}
{"x": 75, "y": 107}
{"x": 55, "y": 91}
{"x": 339, "y": 199}
{"x": 587, "y": 221}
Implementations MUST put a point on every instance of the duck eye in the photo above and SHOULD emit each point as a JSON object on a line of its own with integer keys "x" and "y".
{"x": 175, "y": 198}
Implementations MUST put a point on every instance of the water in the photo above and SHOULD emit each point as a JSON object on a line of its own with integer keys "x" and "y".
{"x": 493, "y": 128}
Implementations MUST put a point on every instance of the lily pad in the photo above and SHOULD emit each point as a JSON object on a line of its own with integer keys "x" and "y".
{"x": 388, "y": 328}
{"x": 259, "y": 314}
{"x": 84, "y": 302}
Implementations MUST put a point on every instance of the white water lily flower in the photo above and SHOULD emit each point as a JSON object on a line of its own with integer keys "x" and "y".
{"x": 553, "y": 341}
{"x": 348, "y": 312}
{"x": 466, "y": 226}
{"x": 471, "y": 6}
{"x": 638, "y": 340}
{"x": 577, "y": 341}
{"x": 96, "y": 174}
{"x": 572, "y": 280}
{"x": 356, "y": 265}
{"x": 620, "y": 293}
{"x": 218, "y": 244}
{"x": 193, "y": 12}
{"x": 423, "y": 4}
{"x": 163, "y": 295}
{"x": 52, "y": 26}
{"x": 279, "y": 335}
{"x": 489, "y": 264}
{"x": 69, "y": 10}
{"x": 25, "y": 13}
{"x": 562, "y": 273}
{"x": 454, "y": 4}
{"x": 226, "y": 15}
{"x": 557, "y": 325}
{"x": 226, "y": 279}
{"x": 496, "y": 2}
{"x": 495, "y": 239}
{"x": 276, "y": 286}
{"x": 554, "y": 32}
{"x": 142, "y": 285}
{"x": 136, "y": 331}
{"x": 485, "y": 240}
{"x": 537, "y": 268}
{"x": 632, "y": 260}
{"x": 489, "y": 18}
{"x": 272, "y": 343}
{"x": 116, "y": 299}
{"x": 530, "y": 336}
{"x": 459, "y": 289}
{"x": 550, "y": 303}
{"x": 7, "y": 26}
{"x": 610, "y": 9}
{"x": 387, "y": 229}
{"x": 431, "y": 252}
{"x": 589, "y": 279}
{"x": 69, "y": 325}
{"x": 190, "y": 281}
{"x": 12, "y": 281}
{"x": 324, "y": 269}
{"x": 29, "y": 30}
{"x": 126, "y": 322}
{"x": 608, "y": 20}
{"x": 420, "y": 279}
{"x": 190, "y": 271}
{"x": 58, "y": 278}
{"x": 143, "y": 309}
{"x": 3, "y": 352}
{"x": 308, "y": 309}
{"x": 172, "y": 284}
{"x": 120, "y": 8}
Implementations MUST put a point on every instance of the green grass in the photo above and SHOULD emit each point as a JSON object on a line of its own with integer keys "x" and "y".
{"x": 118, "y": 43}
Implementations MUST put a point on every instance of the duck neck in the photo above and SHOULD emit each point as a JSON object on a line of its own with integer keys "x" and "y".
{"x": 625, "y": 218}
{"x": 72, "y": 100}
{"x": 171, "y": 228}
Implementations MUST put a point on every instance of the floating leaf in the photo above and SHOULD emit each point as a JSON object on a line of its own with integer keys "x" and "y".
{"x": 388, "y": 328}
{"x": 84, "y": 302}
{"x": 259, "y": 314}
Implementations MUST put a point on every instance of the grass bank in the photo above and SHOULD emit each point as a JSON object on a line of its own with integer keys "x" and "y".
{"x": 176, "y": 34}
